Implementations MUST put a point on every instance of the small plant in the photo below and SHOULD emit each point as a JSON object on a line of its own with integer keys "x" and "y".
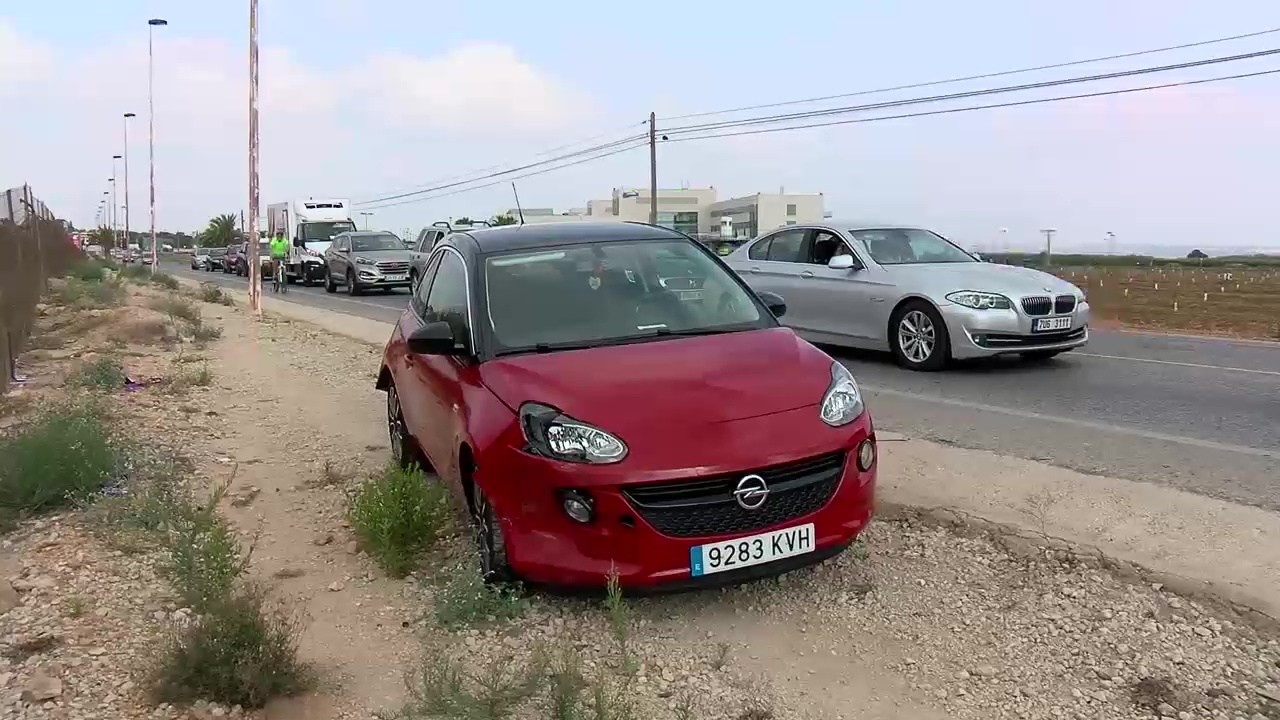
{"x": 211, "y": 293}
{"x": 202, "y": 333}
{"x": 619, "y": 622}
{"x": 240, "y": 651}
{"x": 721, "y": 659}
{"x": 136, "y": 273}
{"x": 331, "y": 474}
{"x": 179, "y": 309}
{"x": 183, "y": 380}
{"x": 165, "y": 280}
{"x": 103, "y": 373}
{"x": 203, "y": 556}
{"x": 64, "y": 456}
{"x": 465, "y": 599}
{"x": 444, "y": 688}
{"x": 77, "y": 606}
{"x": 88, "y": 271}
{"x": 397, "y": 515}
{"x": 88, "y": 295}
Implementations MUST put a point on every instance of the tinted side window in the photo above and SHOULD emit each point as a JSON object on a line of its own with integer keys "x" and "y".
{"x": 786, "y": 246}
{"x": 419, "y": 300}
{"x": 760, "y": 251}
{"x": 447, "y": 298}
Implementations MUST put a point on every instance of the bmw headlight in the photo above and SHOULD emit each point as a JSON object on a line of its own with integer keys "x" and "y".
{"x": 980, "y": 300}
{"x": 553, "y": 434}
{"x": 843, "y": 402}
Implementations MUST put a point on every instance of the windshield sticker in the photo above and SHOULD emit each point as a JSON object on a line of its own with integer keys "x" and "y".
{"x": 594, "y": 282}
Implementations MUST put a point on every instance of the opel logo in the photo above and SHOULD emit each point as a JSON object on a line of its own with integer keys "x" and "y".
{"x": 751, "y": 492}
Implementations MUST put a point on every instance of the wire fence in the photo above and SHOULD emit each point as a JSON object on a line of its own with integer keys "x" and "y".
{"x": 33, "y": 247}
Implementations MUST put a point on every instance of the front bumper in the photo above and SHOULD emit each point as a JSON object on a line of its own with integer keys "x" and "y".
{"x": 374, "y": 279}
{"x": 547, "y": 548}
{"x": 987, "y": 333}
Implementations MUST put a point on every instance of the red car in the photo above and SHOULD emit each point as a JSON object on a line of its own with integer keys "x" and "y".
{"x": 590, "y": 418}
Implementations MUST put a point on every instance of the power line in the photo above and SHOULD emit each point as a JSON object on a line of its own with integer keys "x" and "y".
{"x": 984, "y": 76}
{"x": 424, "y": 198}
{"x": 494, "y": 170}
{"x": 967, "y": 94}
{"x": 971, "y": 108}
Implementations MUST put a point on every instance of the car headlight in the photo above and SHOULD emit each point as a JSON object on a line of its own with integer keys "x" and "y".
{"x": 553, "y": 434}
{"x": 980, "y": 300}
{"x": 363, "y": 261}
{"x": 842, "y": 403}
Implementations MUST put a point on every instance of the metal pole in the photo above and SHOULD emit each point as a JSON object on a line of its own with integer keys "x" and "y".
{"x": 653, "y": 170}
{"x": 255, "y": 265}
{"x": 1048, "y": 246}
{"x": 128, "y": 206}
{"x": 151, "y": 128}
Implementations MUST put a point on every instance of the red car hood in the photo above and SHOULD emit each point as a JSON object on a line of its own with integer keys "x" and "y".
{"x": 684, "y": 382}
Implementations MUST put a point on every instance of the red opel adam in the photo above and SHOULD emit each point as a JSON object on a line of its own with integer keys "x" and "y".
{"x": 610, "y": 395}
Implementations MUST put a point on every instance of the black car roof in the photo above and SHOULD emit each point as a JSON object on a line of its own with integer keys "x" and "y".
{"x": 531, "y": 237}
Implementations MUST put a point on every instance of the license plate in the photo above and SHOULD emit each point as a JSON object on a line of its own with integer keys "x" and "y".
{"x": 689, "y": 295}
{"x": 751, "y": 550}
{"x": 394, "y": 278}
{"x": 1053, "y": 323}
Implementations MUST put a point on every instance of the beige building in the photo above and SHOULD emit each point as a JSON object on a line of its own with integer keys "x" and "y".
{"x": 751, "y": 215}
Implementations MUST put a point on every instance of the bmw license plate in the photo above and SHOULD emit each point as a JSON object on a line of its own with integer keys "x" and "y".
{"x": 751, "y": 550}
{"x": 1050, "y": 324}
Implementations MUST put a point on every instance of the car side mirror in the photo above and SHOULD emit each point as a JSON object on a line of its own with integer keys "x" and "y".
{"x": 435, "y": 338}
{"x": 842, "y": 262}
{"x": 774, "y": 302}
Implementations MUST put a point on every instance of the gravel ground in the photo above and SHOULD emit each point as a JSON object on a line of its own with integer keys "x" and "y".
{"x": 915, "y": 621}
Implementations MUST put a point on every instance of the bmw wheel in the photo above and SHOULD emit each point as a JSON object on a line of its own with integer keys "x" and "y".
{"x": 491, "y": 543}
{"x": 918, "y": 337}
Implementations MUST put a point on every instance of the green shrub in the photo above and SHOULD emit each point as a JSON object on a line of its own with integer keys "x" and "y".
{"x": 75, "y": 292}
{"x": 64, "y": 456}
{"x": 136, "y": 273}
{"x": 241, "y": 651}
{"x": 211, "y": 293}
{"x": 88, "y": 271}
{"x": 465, "y": 599}
{"x": 177, "y": 308}
{"x": 103, "y": 373}
{"x": 165, "y": 280}
{"x": 203, "y": 557}
{"x": 397, "y": 515}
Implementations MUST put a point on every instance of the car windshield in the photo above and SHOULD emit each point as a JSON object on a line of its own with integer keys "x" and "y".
{"x": 610, "y": 293}
{"x": 373, "y": 243}
{"x": 324, "y": 231}
{"x": 217, "y": 252}
{"x": 906, "y": 246}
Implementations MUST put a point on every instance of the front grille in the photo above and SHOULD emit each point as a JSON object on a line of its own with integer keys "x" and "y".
{"x": 706, "y": 506}
{"x": 1038, "y": 305}
{"x": 389, "y": 266}
{"x": 1007, "y": 340}
{"x": 1064, "y": 304}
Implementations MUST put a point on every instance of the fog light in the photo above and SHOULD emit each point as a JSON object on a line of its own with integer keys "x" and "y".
{"x": 577, "y": 505}
{"x": 866, "y": 455}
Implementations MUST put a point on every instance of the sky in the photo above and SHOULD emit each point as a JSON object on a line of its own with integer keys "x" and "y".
{"x": 364, "y": 98}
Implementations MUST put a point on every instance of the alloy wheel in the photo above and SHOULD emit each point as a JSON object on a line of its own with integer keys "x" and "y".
{"x": 395, "y": 425}
{"x": 490, "y": 541}
{"x": 917, "y": 337}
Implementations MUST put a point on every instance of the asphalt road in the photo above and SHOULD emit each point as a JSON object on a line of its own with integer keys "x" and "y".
{"x": 1196, "y": 413}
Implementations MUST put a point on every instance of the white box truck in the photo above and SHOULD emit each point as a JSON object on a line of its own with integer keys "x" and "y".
{"x": 310, "y": 225}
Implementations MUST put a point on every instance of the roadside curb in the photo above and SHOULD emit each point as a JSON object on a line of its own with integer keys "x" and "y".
{"x": 1028, "y": 544}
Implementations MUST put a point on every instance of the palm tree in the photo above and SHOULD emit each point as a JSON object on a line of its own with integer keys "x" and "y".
{"x": 105, "y": 237}
{"x": 220, "y": 232}
{"x": 500, "y": 220}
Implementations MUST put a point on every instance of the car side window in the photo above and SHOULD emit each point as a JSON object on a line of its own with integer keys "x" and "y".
{"x": 760, "y": 251}
{"x": 826, "y": 245}
{"x": 447, "y": 298}
{"x": 787, "y": 247}
{"x": 419, "y": 300}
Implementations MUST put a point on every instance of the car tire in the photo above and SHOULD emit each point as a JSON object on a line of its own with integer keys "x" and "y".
{"x": 1041, "y": 355}
{"x": 329, "y": 287}
{"x": 491, "y": 542}
{"x": 919, "y": 321}
{"x": 403, "y": 449}
{"x": 413, "y": 281}
{"x": 353, "y": 287}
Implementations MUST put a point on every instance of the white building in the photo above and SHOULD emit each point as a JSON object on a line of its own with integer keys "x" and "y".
{"x": 753, "y": 214}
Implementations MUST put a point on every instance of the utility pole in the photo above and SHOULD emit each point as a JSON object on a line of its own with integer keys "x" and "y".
{"x": 1048, "y": 246}
{"x": 255, "y": 265}
{"x": 128, "y": 206}
{"x": 653, "y": 170}
{"x": 151, "y": 127}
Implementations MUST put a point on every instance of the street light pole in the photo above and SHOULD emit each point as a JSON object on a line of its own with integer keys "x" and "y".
{"x": 255, "y": 265}
{"x": 128, "y": 206}
{"x": 1048, "y": 246}
{"x": 115, "y": 203}
{"x": 151, "y": 127}
{"x": 366, "y": 215}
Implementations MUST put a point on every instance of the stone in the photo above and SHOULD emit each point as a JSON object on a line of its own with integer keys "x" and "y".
{"x": 8, "y": 597}
{"x": 42, "y": 688}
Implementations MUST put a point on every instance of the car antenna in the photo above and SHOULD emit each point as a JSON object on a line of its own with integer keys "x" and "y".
{"x": 518, "y": 210}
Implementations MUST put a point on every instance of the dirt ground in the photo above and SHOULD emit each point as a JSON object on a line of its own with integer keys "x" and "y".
{"x": 913, "y": 622}
{"x": 1242, "y": 302}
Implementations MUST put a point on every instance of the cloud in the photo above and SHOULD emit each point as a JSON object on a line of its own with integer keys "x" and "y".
{"x": 322, "y": 129}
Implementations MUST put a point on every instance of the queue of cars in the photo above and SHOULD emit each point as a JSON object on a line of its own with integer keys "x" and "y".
{"x": 556, "y": 378}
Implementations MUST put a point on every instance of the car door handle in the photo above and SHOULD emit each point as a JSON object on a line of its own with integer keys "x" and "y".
{"x": 753, "y": 269}
{"x": 806, "y": 274}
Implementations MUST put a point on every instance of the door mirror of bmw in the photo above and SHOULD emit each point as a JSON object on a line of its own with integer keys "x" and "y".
{"x": 774, "y": 302}
{"x": 842, "y": 262}
{"x": 435, "y": 338}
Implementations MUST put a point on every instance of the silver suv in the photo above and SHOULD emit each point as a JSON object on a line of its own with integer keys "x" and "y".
{"x": 362, "y": 261}
{"x": 427, "y": 240}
